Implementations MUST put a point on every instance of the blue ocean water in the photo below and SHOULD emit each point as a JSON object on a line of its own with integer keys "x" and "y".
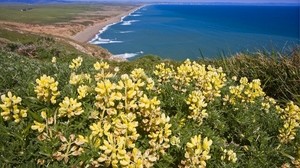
{"x": 191, "y": 31}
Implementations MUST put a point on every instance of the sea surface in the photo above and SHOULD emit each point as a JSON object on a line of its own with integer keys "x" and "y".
{"x": 196, "y": 31}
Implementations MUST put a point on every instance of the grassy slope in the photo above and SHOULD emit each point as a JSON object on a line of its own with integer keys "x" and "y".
{"x": 17, "y": 38}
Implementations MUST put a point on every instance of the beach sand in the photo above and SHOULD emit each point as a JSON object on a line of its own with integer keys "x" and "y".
{"x": 91, "y": 31}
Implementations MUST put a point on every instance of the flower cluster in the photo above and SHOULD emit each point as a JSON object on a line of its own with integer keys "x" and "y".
{"x": 207, "y": 79}
{"x": 291, "y": 119}
{"x": 45, "y": 127}
{"x": 46, "y": 89}
{"x": 267, "y": 103}
{"x": 229, "y": 155}
{"x": 197, "y": 152}
{"x": 175, "y": 141}
{"x": 133, "y": 120}
{"x": 40, "y": 127}
{"x": 76, "y": 63}
{"x": 69, "y": 107}
{"x": 196, "y": 105}
{"x": 246, "y": 92}
{"x": 164, "y": 73}
{"x": 79, "y": 78}
{"x": 83, "y": 91}
{"x": 120, "y": 106}
{"x": 10, "y": 108}
{"x": 102, "y": 68}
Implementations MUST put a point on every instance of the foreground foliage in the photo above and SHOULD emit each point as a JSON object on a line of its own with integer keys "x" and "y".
{"x": 190, "y": 115}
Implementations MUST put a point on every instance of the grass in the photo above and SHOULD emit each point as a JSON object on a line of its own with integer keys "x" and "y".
{"x": 46, "y": 14}
{"x": 18, "y": 37}
{"x": 36, "y": 47}
{"x": 279, "y": 73}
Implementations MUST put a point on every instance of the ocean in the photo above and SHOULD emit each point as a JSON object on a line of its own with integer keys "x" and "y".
{"x": 195, "y": 31}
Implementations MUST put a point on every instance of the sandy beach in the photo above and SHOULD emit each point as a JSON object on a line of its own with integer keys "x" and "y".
{"x": 90, "y": 32}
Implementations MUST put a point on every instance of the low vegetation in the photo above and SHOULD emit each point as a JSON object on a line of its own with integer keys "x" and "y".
{"x": 44, "y": 14}
{"x": 83, "y": 111}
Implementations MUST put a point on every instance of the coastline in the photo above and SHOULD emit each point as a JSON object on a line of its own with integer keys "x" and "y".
{"x": 91, "y": 31}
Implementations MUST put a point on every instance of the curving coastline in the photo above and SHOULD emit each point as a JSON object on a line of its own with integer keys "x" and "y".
{"x": 92, "y": 32}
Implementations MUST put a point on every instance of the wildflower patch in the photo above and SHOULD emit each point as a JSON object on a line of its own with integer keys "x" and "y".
{"x": 190, "y": 115}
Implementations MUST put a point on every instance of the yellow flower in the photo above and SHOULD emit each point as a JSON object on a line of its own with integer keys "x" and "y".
{"x": 10, "y": 108}
{"x": 209, "y": 80}
{"x": 76, "y": 63}
{"x": 246, "y": 92}
{"x": 46, "y": 89}
{"x": 138, "y": 74}
{"x": 82, "y": 91}
{"x": 291, "y": 122}
{"x": 175, "y": 141}
{"x": 101, "y": 65}
{"x": 164, "y": 74}
{"x": 38, "y": 126}
{"x": 148, "y": 103}
{"x": 79, "y": 78}
{"x": 69, "y": 107}
{"x": 197, "y": 152}
{"x": 196, "y": 105}
{"x": 104, "y": 87}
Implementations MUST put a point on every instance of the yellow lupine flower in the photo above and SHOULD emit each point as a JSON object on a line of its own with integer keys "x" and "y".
{"x": 69, "y": 107}
{"x": 10, "y": 108}
{"x": 209, "y": 80}
{"x": 138, "y": 74}
{"x": 175, "y": 141}
{"x": 79, "y": 78}
{"x": 148, "y": 103}
{"x": 104, "y": 87}
{"x": 164, "y": 74}
{"x": 196, "y": 105}
{"x": 38, "y": 126}
{"x": 76, "y": 63}
{"x": 197, "y": 152}
{"x": 82, "y": 91}
{"x": 291, "y": 122}
{"x": 101, "y": 65}
{"x": 246, "y": 92}
{"x": 46, "y": 89}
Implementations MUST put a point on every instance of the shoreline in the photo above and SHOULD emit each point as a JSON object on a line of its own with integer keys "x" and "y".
{"x": 91, "y": 32}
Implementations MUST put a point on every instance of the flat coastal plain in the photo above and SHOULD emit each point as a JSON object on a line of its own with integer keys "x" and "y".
{"x": 80, "y": 22}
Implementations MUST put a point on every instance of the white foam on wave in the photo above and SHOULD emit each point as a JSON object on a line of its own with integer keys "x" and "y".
{"x": 128, "y": 55}
{"x": 98, "y": 40}
{"x": 123, "y": 32}
{"x": 104, "y": 41}
{"x": 136, "y": 15}
{"x": 129, "y": 22}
